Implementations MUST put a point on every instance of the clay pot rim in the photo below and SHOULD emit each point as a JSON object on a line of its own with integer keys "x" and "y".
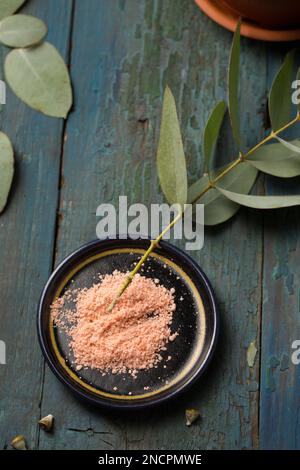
{"x": 225, "y": 17}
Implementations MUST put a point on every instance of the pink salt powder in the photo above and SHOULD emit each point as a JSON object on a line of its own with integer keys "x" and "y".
{"x": 127, "y": 339}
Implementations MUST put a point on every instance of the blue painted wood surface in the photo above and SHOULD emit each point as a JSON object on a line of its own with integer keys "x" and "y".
{"x": 280, "y": 378}
{"x": 27, "y": 230}
{"x": 121, "y": 55}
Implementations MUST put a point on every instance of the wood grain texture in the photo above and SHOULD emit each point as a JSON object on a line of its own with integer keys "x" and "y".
{"x": 122, "y": 54}
{"x": 109, "y": 150}
{"x": 26, "y": 238}
{"x": 280, "y": 378}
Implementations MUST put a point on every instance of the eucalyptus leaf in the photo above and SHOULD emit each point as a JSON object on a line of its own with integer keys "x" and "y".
{"x": 280, "y": 103}
{"x": 40, "y": 78}
{"x": 260, "y": 202}
{"x": 6, "y": 168}
{"x": 22, "y": 30}
{"x": 211, "y": 132}
{"x": 277, "y": 160}
{"x": 218, "y": 208}
{"x": 171, "y": 164}
{"x": 8, "y": 7}
{"x": 233, "y": 84}
{"x": 288, "y": 145}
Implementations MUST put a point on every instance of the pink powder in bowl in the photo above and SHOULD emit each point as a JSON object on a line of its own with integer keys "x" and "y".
{"x": 129, "y": 338}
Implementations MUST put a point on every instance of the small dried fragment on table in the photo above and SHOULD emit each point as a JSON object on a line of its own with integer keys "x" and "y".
{"x": 46, "y": 423}
{"x": 251, "y": 354}
{"x": 191, "y": 415}
{"x": 19, "y": 443}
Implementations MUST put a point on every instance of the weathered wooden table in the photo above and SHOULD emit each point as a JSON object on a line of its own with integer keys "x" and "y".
{"x": 121, "y": 54}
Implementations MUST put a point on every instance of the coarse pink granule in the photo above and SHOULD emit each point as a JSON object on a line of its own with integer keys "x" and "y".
{"x": 130, "y": 337}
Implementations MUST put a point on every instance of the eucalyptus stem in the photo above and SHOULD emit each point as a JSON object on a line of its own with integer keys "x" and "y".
{"x": 243, "y": 157}
{"x": 154, "y": 243}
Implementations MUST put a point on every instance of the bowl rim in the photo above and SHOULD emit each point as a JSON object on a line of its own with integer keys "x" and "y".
{"x": 157, "y": 400}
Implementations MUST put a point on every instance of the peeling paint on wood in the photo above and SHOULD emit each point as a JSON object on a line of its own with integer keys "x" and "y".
{"x": 123, "y": 54}
{"x": 280, "y": 380}
{"x": 27, "y": 240}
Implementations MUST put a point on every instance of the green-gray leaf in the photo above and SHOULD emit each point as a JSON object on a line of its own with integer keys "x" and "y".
{"x": 233, "y": 84}
{"x": 211, "y": 132}
{"x": 218, "y": 208}
{"x": 40, "y": 78}
{"x": 8, "y": 7}
{"x": 6, "y": 168}
{"x": 261, "y": 202}
{"x": 171, "y": 163}
{"x": 277, "y": 160}
{"x": 288, "y": 145}
{"x": 280, "y": 103}
{"x": 22, "y": 30}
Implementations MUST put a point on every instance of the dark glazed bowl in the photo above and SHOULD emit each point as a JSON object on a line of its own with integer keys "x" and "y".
{"x": 196, "y": 319}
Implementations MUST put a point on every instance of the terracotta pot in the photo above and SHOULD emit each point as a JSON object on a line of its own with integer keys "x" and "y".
{"x": 275, "y": 13}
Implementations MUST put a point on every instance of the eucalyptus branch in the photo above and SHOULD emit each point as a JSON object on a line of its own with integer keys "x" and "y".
{"x": 173, "y": 178}
{"x": 154, "y": 243}
{"x": 243, "y": 157}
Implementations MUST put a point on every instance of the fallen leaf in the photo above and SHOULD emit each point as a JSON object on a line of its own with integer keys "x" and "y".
{"x": 8, "y": 7}
{"x": 22, "y": 31}
{"x": 40, "y": 78}
{"x": 6, "y": 168}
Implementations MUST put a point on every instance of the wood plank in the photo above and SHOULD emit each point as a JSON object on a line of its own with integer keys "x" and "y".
{"x": 280, "y": 378}
{"x": 26, "y": 238}
{"x": 123, "y": 54}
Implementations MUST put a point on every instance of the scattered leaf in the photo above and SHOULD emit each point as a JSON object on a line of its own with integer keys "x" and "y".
{"x": 8, "y": 7}
{"x": 233, "y": 84}
{"x": 211, "y": 132}
{"x": 251, "y": 354}
{"x": 19, "y": 443}
{"x": 261, "y": 202}
{"x": 280, "y": 103}
{"x": 277, "y": 160}
{"x": 191, "y": 415}
{"x": 40, "y": 78}
{"x": 218, "y": 208}
{"x": 6, "y": 168}
{"x": 22, "y": 30}
{"x": 171, "y": 163}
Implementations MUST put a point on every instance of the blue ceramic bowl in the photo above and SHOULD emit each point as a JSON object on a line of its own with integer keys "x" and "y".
{"x": 196, "y": 319}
